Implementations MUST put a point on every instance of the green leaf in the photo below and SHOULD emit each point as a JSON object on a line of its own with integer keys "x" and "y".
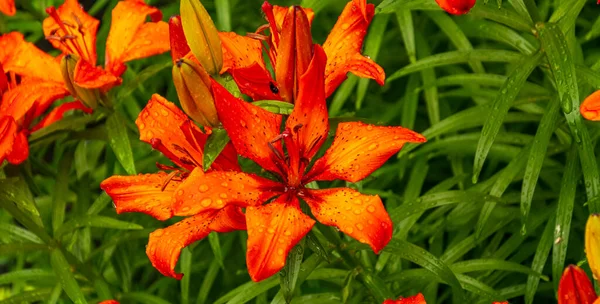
{"x": 503, "y": 16}
{"x": 69, "y": 123}
{"x": 563, "y": 69}
{"x": 26, "y": 275}
{"x": 95, "y": 221}
{"x": 428, "y": 78}
{"x": 223, "y": 8}
{"x": 407, "y": 29}
{"x": 99, "y": 204}
{"x": 564, "y": 214}
{"x": 371, "y": 49}
{"x": 588, "y": 75}
{"x": 215, "y": 245}
{"x": 536, "y": 157}
{"x": 488, "y": 30}
{"x": 248, "y": 291}
{"x": 9, "y": 249}
{"x": 61, "y": 188}
{"x": 215, "y": 144}
{"x": 18, "y": 233}
{"x": 185, "y": 262}
{"x": 426, "y": 260}
{"x": 448, "y": 58}
{"x": 130, "y": 86}
{"x": 389, "y": 6}
{"x": 15, "y": 190}
{"x": 65, "y": 276}
{"x": 275, "y": 106}
{"x": 28, "y": 296}
{"x": 342, "y": 94}
{"x": 289, "y": 274}
{"x": 119, "y": 141}
{"x": 539, "y": 260}
{"x": 494, "y": 264}
{"x": 501, "y": 105}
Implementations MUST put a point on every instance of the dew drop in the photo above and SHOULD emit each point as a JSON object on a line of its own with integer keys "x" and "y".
{"x": 203, "y": 188}
{"x": 206, "y": 202}
{"x": 373, "y": 146}
{"x": 360, "y": 227}
{"x": 223, "y": 195}
{"x": 371, "y": 208}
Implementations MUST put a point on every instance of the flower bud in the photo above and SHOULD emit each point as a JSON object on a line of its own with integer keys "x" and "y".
{"x": 592, "y": 244}
{"x": 89, "y": 97}
{"x": 575, "y": 287}
{"x": 294, "y": 52}
{"x": 179, "y": 46}
{"x": 202, "y": 36}
{"x": 456, "y": 7}
{"x": 590, "y": 108}
{"x": 193, "y": 88}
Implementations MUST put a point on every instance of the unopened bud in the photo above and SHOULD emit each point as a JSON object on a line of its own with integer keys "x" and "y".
{"x": 575, "y": 287}
{"x": 89, "y": 97}
{"x": 179, "y": 46}
{"x": 456, "y": 7}
{"x": 193, "y": 88}
{"x": 202, "y": 36}
{"x": 592, "y": 244}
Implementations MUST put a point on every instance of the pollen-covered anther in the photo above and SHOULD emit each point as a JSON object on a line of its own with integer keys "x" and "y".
{"x": 258, "y": 36}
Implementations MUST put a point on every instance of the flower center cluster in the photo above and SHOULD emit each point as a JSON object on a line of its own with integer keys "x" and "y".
{"x": 67, "y": 34}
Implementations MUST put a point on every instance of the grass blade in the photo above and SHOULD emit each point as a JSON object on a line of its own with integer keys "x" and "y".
{"x": 539, "y": 260}
{"x": 65, "y": 276}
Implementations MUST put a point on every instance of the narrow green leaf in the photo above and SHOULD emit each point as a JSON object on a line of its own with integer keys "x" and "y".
{"x": 389, "y": 6}
{"x": 130, "y": 86}
{"x": 564, "y": 214}
{"x": 95, "y": 221}
{"x": 209, "y": 278}
{"x": 321, "y": 298}
{"x": 494, "y": 264}
{"x": 215, "y": 144}
{"x": 55, "y": 295}
{"x": 588, "y": 75}
{"x": 99, "y": 204}
{"x": 503, "y": 16}
{"x": 119, "y": 141}
{"x": 488, "y": 30}
{"x": 426, "y": 260}
{"x": 289, "y": 274}
{"x": 563, "y": 69}
{"x": 407, "y": 29}
{"x": 61, "y": 188}
{"x": 501, "y": 105}
{"x": 473, "y": 285}
{"x": 18, "y": 233}
{"x": 215, "y": 245}
{"x": 428, "y": 78}
{"x": 342, "y": 94}
{"x": 28, "y": 296}
{"x": 275, "y": 106}
{"x": 15, "y": 191}
{"x": 372, "y": 45}
{"x": 536, "y": 157}
{"x": 8, "y": 249}
{"x": 26, "y": 275}
{"x": 69, "y": 123}
{"x": 223, "y": 8}
{"x": 185, "y": 262}
{"x": 65, "y": 276}
{"x": 248, "y": 291}
{"x": 566, "y": 12}
{"x": 454, "y": 57}
{"x": 539, "y": 260}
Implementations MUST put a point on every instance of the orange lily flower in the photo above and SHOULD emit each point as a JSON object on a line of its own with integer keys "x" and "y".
{"x": 71, "y": 30}
{"x": 416, "y": 299}
{"x": 23, "y": 102}
{"x": 590, "y": 108}
{"x": 456, "y": 7}
{"x": 170, "y": 131}
{"x": 7, "y": 7}
{"x": 290, "y": 50}
{"x": 274, "y": 228}
{"x": 575, "y": 287}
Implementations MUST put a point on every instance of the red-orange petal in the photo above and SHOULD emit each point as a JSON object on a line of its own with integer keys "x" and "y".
{"x": 240, "y": 51}
{"x": 25, "y": 59}
{"x": 344, "y": 43}
{"x": 179, "y": 45}
{"x": 575, "y": 287}
{"x": 143, "y": 193}
{"x": 164, "y": 245}
{"x": 72, "y": 21}
{"x": 360, "y": 216}
{"x": 7, "y": 7}
{"x": 590, "y": 108}
{"x": 217, "y": 189}
{"x": 94, "y": 77}
{"x": 30, "y": 99}
{"x": 57, "y": 114}
{"x": 256, "y": 82}
{"x": 3, "y": 80}
{"x": 250, "y": 127}
{"x": 109, "y": 302}
{"x": 358, "y": 149}
{"x": 131, "y": 37}
{"x": 280, "y": 11}
{"x": 273, "y": 230}
{"x": 160, "y": 125}
{"x": 309, "y": 119}
{"x": 20, "y": 149}
{"x": 456, "y": 7}
{"x": 416, "y": 299}
{"x": 8, "y": 134}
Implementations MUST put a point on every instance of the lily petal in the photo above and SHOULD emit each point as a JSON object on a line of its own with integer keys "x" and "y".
{"x": 256, "y": 82}
{"x": 131, "y": 37}
{"x": 273, "y": 230}
{"x": 280, "y": 11}
{"x": 575, "y": 287}
{"x": 250, "y": 128}
{"x": 20, "y": 149}
{"x": 179, "y": 45}
{"x": 416, "y": 299}
{"x": 310, "y": 118}
{"x": 8, "y": 134}
{"x": 71, "y": 30}
{"x": 343, "y": 47}
{"x": 590, "y": 108}
{"x": 456, "y": 7}
{"x": 159, "y": 124}
{"x": 142, "y": 193}
{"x": 94, "y": 77}
{"x": 217, "y": 189}
{"x": 360, "y": 216}
{"x": 31, "y": 99}
{"x": 359, "y": 149}
{"x": 57, "y": 114}
{"x": 164, "y": 245}
{"x": 25, "y": 59}
{"x": 240, "y": 51}
{"x": 7, "y": 7}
